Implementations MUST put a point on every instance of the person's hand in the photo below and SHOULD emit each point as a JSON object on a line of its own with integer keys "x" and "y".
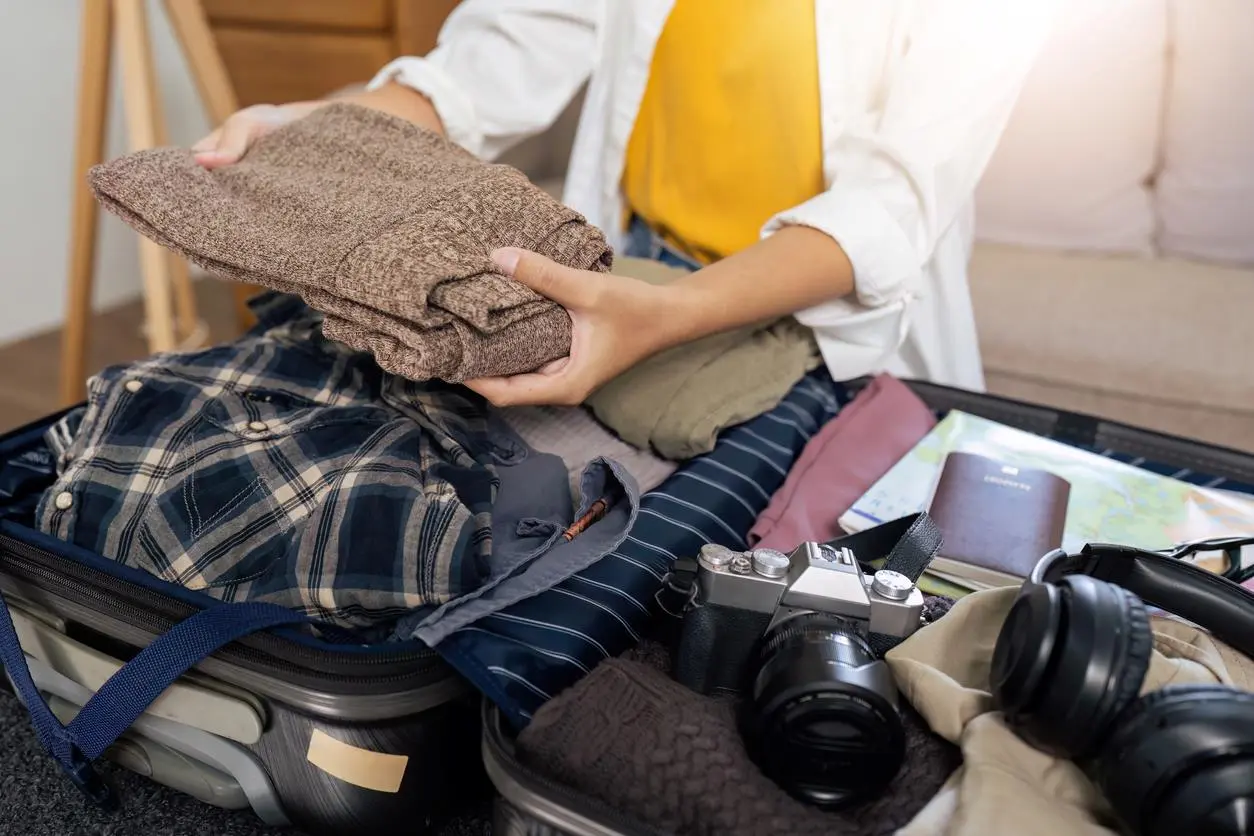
{"x": 231, "y": 141}
{"x": 617, "y": 322}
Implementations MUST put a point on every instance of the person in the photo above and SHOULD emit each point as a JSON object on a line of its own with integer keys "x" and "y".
{"x": 808, "y": 157}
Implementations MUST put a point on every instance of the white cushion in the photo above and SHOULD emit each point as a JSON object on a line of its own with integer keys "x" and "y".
{"x": 1206, "y": 190}
{"x": 1072, "y": 168}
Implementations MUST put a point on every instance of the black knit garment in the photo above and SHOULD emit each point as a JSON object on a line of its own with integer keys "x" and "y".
{"x": 632, "y": 737}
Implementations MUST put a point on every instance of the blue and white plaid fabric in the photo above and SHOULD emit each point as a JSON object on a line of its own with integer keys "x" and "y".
{"x": 523, "y": 655}
{"x": 281, "y": 467}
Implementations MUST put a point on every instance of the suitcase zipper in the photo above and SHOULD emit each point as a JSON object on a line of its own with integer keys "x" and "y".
{"x": 157, "y": 613}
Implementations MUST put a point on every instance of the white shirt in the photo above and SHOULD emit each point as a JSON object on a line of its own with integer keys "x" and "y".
{"x": 914, "y": 94}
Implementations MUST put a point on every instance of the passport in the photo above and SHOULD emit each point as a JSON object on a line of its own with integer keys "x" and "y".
{"x": 997, "y": 518}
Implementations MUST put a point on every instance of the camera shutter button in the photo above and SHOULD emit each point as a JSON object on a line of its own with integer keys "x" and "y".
{"x": 770, "y": 563}
{"x": 892, "y": 585}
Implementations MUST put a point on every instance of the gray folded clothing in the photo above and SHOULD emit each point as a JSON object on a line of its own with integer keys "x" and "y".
{"x": 385, "y": 227}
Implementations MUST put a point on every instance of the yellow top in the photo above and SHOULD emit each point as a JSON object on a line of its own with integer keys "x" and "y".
{"x": 728, "y": 132}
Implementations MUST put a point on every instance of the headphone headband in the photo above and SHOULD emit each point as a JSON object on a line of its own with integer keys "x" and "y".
{"x": 1214, "y": 603}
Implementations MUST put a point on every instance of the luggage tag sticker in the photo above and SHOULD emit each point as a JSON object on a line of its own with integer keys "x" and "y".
{"x": 377, "y": 771}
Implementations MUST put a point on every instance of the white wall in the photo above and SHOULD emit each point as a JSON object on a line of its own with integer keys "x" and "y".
{"x": 39, "y": 42}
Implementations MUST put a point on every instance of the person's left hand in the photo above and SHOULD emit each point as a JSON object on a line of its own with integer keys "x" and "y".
{"x": 617, "y": 322}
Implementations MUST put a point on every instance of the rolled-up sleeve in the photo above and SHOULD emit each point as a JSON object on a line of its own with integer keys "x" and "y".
{"x": 504, "y": 70}
{"x": 901, "y": 171}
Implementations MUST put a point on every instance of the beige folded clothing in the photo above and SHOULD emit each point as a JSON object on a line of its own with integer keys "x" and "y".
{"x": 678, "y": 401}
{"x": 383, "y": 226}
{"x": 1005, "y": 785}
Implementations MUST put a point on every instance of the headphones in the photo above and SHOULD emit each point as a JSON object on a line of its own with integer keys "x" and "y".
{"x": 1069, "y": 664}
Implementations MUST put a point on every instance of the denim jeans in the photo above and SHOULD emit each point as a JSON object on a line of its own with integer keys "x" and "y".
{"x": 643, "y": 242}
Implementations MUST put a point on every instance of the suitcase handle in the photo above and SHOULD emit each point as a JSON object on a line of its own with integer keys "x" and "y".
{"x": 124, "y": 695}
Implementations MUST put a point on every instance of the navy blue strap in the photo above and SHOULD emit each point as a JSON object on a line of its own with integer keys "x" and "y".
{"x": 126, "y": 694}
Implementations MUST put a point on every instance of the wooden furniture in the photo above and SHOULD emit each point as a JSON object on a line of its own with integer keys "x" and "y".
{"x": 171, "y": 320}
{"x": 289, "y": 50}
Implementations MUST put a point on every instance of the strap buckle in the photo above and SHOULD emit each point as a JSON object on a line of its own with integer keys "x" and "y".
{"x": 88, "y": 780}
{"x": 678, "y": 593}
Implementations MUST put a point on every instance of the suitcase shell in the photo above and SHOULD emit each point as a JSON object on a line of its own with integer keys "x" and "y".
{"x": 531, "y": 804}
{"x": 301, "y": 731}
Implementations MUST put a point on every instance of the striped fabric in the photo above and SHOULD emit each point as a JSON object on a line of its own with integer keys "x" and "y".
{"x": 524, "y": 655}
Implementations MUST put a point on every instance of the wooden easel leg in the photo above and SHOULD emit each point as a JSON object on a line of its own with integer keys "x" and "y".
{"x": 93, "y": 95}
{"x": 142, "y": 114}
{"x": 177, "y": 268}
{"x": 208, "y": 71}
{"x": 191, "y": 28}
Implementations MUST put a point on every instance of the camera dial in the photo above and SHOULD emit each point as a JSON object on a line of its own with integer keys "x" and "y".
{"x": 892, "y": 585}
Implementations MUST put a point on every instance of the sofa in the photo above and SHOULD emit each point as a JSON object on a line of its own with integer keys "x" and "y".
{"x": 1113, "y": 271}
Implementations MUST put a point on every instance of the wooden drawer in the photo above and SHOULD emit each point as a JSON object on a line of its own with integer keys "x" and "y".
{"x": 273, "y": 67}
{"x": 368, "y": 15}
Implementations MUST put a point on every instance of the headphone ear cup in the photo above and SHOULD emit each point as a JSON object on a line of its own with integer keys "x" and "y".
{"x": 1025, "y": 657}
{"x": 1068, "y": 661}
{"x": 1128, "y": 679}
{"x": 1181, "y": 760}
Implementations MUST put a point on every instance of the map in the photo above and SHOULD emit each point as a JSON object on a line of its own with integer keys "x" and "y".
{"x": 1110, "y": 502}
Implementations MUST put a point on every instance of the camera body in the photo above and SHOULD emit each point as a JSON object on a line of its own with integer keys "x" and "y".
{"x": 790, "y": 635}
{"x": 742, "y": 596}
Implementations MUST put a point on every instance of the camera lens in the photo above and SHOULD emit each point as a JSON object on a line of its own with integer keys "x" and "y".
{"x": 820, "y": 715}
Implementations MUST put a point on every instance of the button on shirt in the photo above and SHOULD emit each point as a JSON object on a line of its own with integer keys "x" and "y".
{"x": 285, "y": 467}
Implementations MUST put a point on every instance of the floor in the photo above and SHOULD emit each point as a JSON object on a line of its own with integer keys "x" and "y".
{"x": 30, "y": 370}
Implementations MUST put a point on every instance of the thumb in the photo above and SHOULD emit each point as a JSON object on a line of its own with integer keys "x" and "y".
{"x": 566, "y": 286}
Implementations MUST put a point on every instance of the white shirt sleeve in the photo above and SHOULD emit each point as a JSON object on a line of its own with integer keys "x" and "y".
{"x": 504, "y": 70}
{"x": 900, "y": 174}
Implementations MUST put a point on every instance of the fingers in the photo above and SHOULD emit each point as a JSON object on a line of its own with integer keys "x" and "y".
{"x": 548, "y": 387}
{"x": 208, "y": 143}
{"x": 572, "y": 289}
{"x": 228, "y": 144}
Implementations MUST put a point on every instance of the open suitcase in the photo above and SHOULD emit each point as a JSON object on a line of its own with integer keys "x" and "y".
{"x": 328, "y": 737}
{"x": 531, "y": 804}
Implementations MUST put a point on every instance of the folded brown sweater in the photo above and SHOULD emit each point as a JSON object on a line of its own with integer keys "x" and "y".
{"x": 637, "y": 740}
{"x": 385, "y": 227}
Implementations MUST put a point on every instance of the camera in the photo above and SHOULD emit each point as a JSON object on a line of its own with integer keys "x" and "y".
{"x": 791, "y": 635}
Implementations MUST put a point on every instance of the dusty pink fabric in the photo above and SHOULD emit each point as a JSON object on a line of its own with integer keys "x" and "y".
{"x": 841, "y": 463}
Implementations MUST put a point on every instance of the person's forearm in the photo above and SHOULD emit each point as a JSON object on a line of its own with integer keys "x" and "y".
{"x": 793, "y": 269}
{"x": 401, "y": 101}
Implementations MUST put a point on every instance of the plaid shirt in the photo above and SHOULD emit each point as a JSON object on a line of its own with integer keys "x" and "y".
{"x": 281, "y": 467}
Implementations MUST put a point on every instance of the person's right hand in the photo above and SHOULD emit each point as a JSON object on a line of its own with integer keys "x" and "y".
{"x": 228, "y": 143}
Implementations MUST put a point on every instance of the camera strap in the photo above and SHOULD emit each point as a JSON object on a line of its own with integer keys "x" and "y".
{"x": 907, "y": 545}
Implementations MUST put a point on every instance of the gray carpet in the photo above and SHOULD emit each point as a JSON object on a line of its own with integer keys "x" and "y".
{"x": 36, "y": 799}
